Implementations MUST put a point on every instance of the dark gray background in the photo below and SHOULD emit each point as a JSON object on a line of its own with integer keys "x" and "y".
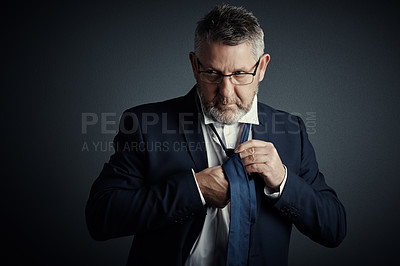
{"x": 337, "y": 59}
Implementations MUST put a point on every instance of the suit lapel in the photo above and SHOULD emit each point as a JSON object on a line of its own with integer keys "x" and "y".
{"x": 261, "y": 131}
{"x": 189, "y": 125}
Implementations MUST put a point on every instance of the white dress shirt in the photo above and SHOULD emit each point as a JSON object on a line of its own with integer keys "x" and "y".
{"x": 211, "y": 245}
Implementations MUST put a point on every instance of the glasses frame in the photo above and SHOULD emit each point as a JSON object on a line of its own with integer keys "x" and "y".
{"x": 226, "y": 75}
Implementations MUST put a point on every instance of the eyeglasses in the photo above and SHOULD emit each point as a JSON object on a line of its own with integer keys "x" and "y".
{"x": 215, "y": 77}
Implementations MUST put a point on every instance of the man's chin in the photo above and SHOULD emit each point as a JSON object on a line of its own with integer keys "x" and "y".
{"x": 228, "y": 116}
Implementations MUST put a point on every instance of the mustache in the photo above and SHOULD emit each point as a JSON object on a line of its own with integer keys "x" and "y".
{"x": 220, "y": 100}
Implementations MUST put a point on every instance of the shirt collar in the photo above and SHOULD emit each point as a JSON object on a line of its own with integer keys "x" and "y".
{"x": 251, "y": 117}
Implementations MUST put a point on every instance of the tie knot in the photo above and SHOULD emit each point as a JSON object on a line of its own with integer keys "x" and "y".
{"x": 244, "y": 138}
{"x": 229, "y": 152}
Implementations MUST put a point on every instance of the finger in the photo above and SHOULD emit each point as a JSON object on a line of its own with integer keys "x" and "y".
{"x": 256, "y": 159}
{"x": 254, "y": 151}
{"x": 257, "y": 168}
{"x": 253, "y": 144}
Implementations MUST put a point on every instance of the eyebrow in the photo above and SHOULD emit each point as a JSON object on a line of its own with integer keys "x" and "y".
{"x": 235, "y": 70}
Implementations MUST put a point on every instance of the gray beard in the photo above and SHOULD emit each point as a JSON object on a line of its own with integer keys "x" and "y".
{"x": 212, "y": 109}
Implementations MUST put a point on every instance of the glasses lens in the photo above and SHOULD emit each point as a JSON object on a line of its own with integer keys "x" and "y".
{"x": 212, "y": 78}
{"x": 243, "y": 79}
{"x": 215, "y": 78}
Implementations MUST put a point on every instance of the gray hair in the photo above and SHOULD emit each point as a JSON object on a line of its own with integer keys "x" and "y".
{"x": 230, "y": 25}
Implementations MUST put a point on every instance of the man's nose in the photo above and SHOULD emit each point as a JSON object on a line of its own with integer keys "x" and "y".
{"x": 226, "y": 87}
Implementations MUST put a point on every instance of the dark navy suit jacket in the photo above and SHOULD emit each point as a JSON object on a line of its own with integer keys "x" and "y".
{"x": 147, "y": 188}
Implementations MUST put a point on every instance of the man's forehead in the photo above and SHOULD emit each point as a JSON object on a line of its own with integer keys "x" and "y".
{"x": 219, "y": 55}
{"x": 209, "y": 47}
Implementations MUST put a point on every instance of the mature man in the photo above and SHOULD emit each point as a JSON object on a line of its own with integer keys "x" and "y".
{"x": 214, "y": 177}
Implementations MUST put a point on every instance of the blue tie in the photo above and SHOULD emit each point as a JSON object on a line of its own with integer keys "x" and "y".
{"x": 243, "y": 204}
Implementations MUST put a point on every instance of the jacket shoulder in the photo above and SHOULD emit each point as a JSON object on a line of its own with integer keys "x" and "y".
{"x": 271, "y": 113}
{"x": 169, "y": 105}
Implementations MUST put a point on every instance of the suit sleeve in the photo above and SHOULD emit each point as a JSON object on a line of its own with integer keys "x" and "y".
{"x": 123, "y": 201}
{"x": 309, "y": 202}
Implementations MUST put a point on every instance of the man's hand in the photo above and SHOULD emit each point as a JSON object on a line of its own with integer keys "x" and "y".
{"x": 261, "y": 157}
{"x": 214, "y": 186}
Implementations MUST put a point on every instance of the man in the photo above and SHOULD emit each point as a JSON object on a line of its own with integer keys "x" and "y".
{"x": 173, "y": 180}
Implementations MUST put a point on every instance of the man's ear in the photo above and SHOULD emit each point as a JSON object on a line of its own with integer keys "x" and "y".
{"x": 193, "y": 61}
{"x": 264, "y": 60}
